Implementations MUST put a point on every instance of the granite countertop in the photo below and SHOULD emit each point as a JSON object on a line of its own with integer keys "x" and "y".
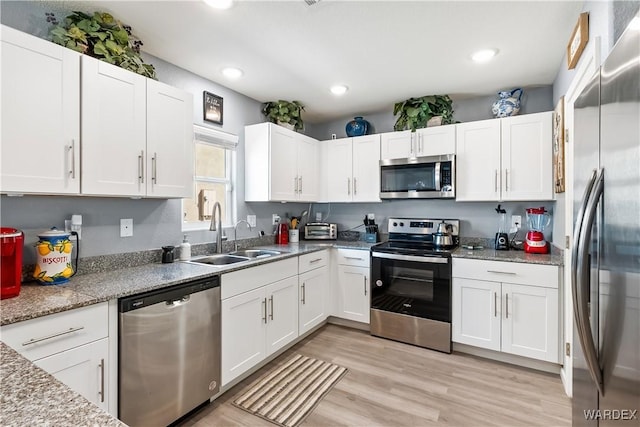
{"x": 36, "y": 300}
{"x": 556, "y": 256}
{"x": 32, "y": 397}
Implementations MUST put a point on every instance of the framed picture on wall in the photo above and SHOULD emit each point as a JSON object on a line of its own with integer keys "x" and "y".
{"x": 558, "y": 146}
{"x": 213, "y": 108}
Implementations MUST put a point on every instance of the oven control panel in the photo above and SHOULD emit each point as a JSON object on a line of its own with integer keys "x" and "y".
{"x": 422, "y": 225}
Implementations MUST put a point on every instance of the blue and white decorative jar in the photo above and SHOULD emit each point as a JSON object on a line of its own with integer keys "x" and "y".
{"x": 357, "y": 127}
{"x": 508, "y": 104}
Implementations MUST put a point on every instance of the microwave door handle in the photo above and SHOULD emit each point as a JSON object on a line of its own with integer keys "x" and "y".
{"x": 437, "y": 176}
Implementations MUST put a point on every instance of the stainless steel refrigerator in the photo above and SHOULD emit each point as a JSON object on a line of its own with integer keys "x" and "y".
{"x": 606, "y": 251}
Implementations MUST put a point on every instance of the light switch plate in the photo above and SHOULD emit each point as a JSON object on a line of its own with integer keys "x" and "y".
{"x": 251, "y": 219}
{"x": 126, "y": 227}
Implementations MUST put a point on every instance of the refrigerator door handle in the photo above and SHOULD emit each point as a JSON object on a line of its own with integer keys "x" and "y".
{"x": 581, "y": 272}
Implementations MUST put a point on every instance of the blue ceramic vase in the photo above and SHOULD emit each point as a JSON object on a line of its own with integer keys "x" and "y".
{"x": 508, "y": 104}
{"x": 357, "y": 127}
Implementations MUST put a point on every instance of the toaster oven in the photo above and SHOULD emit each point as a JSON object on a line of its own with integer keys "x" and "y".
{"x": 320, "y": 231}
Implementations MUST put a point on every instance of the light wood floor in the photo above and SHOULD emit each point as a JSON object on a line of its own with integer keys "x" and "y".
{"x": 395, "y": 384}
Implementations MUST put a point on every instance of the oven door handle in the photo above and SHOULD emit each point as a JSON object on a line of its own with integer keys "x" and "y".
{"x": 400, "y": 257}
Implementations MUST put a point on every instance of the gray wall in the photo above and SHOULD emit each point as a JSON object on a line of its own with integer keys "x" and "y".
{"x": 534, "y": 100}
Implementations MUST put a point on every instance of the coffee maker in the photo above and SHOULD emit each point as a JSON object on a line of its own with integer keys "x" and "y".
{"x": 502, "y": 238}
{"x": 537, "y": 221}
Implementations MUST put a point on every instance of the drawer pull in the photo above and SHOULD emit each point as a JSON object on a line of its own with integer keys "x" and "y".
{"x": 501, "y": 272}
{"x": 313, "y": 261}
{"x": 48, "y": 337}
{"x": 101, "y": 392}
{"x": 354, "y": 257}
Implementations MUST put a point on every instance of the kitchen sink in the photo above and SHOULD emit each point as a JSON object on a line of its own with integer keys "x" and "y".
{"x": 255, "y": 253}
{"x": 221, "y": 259}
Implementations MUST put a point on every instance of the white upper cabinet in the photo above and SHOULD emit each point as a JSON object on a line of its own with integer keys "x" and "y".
{"x": 478, "y": 161}
{"x": 431, "y": 141}
{"x": 113, "y": 130}
{"x": 354, "y": 174}
{"x": 280, "y": 165}
{"x": 527, "y": 157}
{"x": 170, "y": 159}
{"x": 136, "y": 134}
{"x": 505, "y": 159}
{"x": 40, "y": 115}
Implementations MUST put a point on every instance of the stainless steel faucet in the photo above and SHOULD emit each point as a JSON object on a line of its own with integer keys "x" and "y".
{"x": 235, "y": 232}
{"x": 216, "y": 225}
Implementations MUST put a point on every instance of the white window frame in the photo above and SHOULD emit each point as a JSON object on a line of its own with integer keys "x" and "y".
{"x": 228, "y": 142}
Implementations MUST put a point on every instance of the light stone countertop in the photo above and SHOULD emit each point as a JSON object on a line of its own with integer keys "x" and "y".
{"x": 32, "y": 397}
{"x": 556, "y": 256}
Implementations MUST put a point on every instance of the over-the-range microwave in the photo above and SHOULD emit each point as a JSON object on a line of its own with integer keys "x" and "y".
{"x": 431, "y": 177}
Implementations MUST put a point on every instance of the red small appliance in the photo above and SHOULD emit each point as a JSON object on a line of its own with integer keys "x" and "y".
{"x": 537, "y": 220}
{"x": 11, "y": 245}
{"x": 282, "y": 234}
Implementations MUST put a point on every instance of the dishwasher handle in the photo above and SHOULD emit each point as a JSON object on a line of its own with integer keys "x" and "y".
{"x": 172, "y": 296}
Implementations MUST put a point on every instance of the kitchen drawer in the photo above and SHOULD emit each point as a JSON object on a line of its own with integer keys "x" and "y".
{"x": 546, "y": 276}
{"x": 47, "y": 335}
{"x": 354, "y": 257}
{"x": 312, "y": 261}
{"x": 241, "y": 281}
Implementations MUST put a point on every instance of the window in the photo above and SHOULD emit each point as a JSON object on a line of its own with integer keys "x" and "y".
{"x": 214, "y": 178}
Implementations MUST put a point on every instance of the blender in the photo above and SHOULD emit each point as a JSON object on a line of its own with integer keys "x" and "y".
{"x": 537, "y": 221}
{"x": 502, "y": 238}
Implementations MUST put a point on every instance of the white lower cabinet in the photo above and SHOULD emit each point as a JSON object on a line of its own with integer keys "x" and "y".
{"x": 83, "y": 369}
{"x": 73, "y": 346}
{"x": 508, "y": 307}
{"x": 353, "y": 285}
{"x": 313, "y": 290}
{"x": 259, "y": 314}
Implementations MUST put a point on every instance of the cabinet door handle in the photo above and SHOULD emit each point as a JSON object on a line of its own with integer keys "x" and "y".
{"x": 495, "y": 180}
{"x": 411, "y": 140}
{"x": 101, "y": 392}
{"x": 365, "y": 285}
{"x": 501, "y": 272}
{"x": 271, "y": 304}
{"x": 48, "y": 337}
{"x": 506, "y": 306}
{"x": 295, "y": 185}
{"x": 141, "y": 167}
{"x": 420, "y": 142}
{"x": 506, "y": 179}
{"x": 300, "y": 186}
{"x": 72, "y": 150}
{"x": 348, "y": 186}
{"x": 264, "y": 306}
{"x": 154, "y": 167}
{"x": 495, "y": 304}
{"x": 355, "y": 186}
{"x": 303, "y": 293}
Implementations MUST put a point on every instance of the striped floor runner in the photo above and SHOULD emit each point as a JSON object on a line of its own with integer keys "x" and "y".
{"x": 286, "y": 395}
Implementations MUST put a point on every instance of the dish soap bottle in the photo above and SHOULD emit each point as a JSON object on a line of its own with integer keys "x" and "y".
{"x": 185, "y": 249}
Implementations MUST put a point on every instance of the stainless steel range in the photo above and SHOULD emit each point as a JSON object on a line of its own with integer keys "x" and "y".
{"x": 411, "y": 282}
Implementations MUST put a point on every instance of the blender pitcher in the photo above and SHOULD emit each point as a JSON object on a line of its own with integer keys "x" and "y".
{"x": 537, "y": 220}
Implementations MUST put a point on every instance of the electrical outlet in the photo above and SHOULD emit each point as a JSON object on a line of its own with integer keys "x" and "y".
{"x": 275, "y": 219}
{"x": 251, "y": 219}
{"x": 126, "y": 227}
{"x": 516, "y": 221}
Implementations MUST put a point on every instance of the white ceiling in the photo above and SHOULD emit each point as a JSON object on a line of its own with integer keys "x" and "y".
{"x": 384, "y": 51}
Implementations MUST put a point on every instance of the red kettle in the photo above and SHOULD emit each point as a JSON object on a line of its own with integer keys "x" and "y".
{"x": 282, "y": 234}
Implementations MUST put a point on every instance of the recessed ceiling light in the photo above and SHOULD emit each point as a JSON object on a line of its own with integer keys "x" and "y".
{"x": 232, "y": 73}
{"x": 339, "y": 89}
{"x": 219, "y": 4}
{"x": 484, "y": 55}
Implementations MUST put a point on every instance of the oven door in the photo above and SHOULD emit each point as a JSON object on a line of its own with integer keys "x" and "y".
{"x": 413, "y": 285}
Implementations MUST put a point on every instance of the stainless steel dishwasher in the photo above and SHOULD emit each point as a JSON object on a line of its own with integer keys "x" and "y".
{"x": 169, "y": 352}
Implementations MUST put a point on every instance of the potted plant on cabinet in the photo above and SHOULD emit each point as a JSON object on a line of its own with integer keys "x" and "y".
{"x": 415, "y": 113}
{"x": 284, "y": 113}
{"x": 103, "y": 37}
